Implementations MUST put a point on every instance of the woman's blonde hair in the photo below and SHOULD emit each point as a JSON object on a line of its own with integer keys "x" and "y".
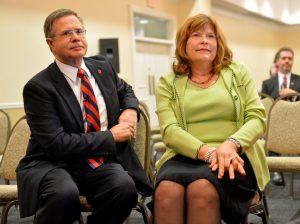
{"x": 223, "y": 57}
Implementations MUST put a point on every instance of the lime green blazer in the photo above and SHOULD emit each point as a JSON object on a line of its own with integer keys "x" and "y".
{"x": 249, "y": 112}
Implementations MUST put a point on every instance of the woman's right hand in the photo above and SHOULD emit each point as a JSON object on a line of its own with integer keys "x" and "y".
{"x": 226, "y": 159}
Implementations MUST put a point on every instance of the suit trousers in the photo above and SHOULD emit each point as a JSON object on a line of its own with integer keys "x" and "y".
{"x": 109, "y": 189}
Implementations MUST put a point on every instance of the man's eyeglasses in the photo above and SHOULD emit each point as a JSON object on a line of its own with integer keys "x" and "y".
{"x": 68, "y": 33}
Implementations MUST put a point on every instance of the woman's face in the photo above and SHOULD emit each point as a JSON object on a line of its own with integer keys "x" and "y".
{"x": 202, "y": 45}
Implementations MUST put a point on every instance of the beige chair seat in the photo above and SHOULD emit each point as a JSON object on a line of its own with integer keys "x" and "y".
{"x": 159, "y": 147}
{"x": 8, "y": 192}
{"x": 284, "y": 164}
{"x": 255, "y": 199}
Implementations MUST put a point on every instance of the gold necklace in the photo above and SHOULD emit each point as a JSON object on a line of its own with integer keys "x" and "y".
{"x": 204, "y": 82}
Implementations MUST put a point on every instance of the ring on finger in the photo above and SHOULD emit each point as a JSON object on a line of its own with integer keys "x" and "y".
{"x": 233, "y": 158}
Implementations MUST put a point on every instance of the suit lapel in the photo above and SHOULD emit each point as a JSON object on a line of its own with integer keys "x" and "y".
{"x": 293, "y": 82}
{"x": 67, "y": 94}
{"x": 275, "y": 87}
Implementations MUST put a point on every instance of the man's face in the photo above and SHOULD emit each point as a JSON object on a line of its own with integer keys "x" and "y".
{"x": 285, "y": 62}
{"x": 68, "y": 44}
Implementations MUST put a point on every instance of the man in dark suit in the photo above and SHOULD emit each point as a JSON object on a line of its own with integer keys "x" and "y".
{"x": 283, "y": 83}
{"x": 64, "y": 159}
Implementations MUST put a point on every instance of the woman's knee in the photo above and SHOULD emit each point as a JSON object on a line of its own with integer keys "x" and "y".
{"x": 168, "y": 191}
{"x": 202, "y": 190}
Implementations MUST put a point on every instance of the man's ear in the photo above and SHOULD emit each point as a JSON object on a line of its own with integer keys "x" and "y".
{"x": 49, "y": 42}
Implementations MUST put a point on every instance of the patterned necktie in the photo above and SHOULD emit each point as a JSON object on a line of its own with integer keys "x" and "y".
{"x": 91, "y": 112}
{"x": 284, "y": 83}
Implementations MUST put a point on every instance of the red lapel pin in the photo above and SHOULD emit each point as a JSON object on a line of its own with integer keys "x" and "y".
{"x": 99, "y": 71}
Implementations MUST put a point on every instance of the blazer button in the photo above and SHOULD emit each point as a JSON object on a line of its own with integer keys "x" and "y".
{"x": 235, "y": 97}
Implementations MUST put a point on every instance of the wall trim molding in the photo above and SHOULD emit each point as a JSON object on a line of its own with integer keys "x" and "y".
{"x": 12, "y": 105}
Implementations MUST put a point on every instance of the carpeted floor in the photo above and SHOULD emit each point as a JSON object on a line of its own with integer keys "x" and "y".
{"x": 281, "y": 207}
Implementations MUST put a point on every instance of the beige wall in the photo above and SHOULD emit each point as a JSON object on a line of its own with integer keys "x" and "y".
{"x": 252, "y": 45}
{"x": 291, "y": 39}
{"x": 255, "y": 43}
{"x": 24, "y": 51}
{"x": 23, "y": 48}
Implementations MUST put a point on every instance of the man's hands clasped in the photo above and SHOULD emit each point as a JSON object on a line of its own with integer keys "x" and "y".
{"x": 126, "y": 129}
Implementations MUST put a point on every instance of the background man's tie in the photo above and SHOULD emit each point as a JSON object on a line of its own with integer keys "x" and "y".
{"x": 91, "y": 112}
{"x": 284, "y": 83}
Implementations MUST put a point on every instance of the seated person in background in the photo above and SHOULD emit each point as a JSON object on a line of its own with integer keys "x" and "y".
{"x": 82, "y": 117}
{"x": 282, "y": 83}
{"x": 210, "y": 117}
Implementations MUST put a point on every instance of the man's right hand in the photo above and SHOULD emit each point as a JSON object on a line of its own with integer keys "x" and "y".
{"x": 122, "y": 132}
{"x": 285, "y": 91}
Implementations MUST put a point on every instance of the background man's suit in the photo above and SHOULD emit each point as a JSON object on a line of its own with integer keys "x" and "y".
{"x": 271, "y": 86}
{"x": 63, "y": 130}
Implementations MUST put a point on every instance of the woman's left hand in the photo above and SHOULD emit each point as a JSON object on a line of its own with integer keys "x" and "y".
{"x": 226, "y": 159}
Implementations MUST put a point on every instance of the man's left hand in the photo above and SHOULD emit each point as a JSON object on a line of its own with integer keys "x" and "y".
{"x": 129, "y": 116}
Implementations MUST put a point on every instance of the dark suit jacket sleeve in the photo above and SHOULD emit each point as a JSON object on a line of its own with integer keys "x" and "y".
{"x": 126, "y": 94}
{"x": 264, "y": 88}
{"x": 295, "y": 82}
{"x": 268, "y": 87}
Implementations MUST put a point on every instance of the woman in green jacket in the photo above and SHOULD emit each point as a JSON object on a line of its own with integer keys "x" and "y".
{"x": 210, "y": 117}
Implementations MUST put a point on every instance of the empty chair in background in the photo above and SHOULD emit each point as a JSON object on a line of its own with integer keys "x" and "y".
{"x": 4, "y": 130}
{"x": 13, "y": 153}
{"x": 267, "y": 101}
{"x": 283, "y": 136}
{"x": 284, "y": 82}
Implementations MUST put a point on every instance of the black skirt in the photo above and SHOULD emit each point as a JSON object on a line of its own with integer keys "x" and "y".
{"x": 235, "y": 195}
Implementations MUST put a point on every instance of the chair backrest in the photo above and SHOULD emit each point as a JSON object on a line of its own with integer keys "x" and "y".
{"x": 15, "y": 149}
{"x": 145, "y": 108}
{"x": 142, "y": 141}
{"x": 283, "y": 127}
{"x": 4, "y": 130}
{"x": 267, "y": 101}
